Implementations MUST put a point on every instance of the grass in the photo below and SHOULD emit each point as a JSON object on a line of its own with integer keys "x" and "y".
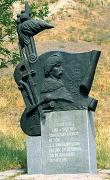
{"x": 12, "y": 152}
{"x": 103, "y": 146}
{"x": 85, "y": 24}
{"x": 12, "y": 140}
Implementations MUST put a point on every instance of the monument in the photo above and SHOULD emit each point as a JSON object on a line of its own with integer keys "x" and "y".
{"x": 58, "y": 117}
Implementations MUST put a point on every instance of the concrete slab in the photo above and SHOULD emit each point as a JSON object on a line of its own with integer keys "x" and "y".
{"x": 64, "y": 177}
{"x": 10, "y": 173}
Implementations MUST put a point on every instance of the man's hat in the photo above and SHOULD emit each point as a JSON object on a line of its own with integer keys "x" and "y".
{"x": 53, "y": 60}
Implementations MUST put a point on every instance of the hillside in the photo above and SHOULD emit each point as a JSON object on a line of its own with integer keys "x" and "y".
{"x": 79, "y": 26}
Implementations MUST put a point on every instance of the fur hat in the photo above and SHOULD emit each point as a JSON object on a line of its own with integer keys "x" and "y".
{"x": 53, "y": 60}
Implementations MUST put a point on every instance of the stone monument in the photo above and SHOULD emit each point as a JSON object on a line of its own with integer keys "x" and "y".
{"x": 58, "y": 117}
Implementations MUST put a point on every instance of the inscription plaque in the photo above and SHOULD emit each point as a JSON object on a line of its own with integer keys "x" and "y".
{"x": 66, "y": 138}
{"x": 67, "y": 144}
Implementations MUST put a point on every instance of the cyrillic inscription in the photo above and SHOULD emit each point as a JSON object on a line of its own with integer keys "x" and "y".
{"x": 60, "y": 151}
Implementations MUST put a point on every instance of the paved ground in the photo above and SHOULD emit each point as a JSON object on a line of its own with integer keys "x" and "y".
{"x": 10, "y": 174}
{"x": 18, "y": 175}
{"x": 99, "y": 176}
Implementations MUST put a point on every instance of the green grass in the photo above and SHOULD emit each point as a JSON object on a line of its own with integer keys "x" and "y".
{"x": 12, "y": 152}
{"x": 86, "y": 24}
{"x": 103, "y": 147}
{"x": 103, "y": 158}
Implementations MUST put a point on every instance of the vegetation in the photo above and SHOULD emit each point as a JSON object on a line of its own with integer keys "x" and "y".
{"x": 12, "y": 140}
{"x": 8, "y": 29}
{"x": 88, "y": 27}
{"x": 12, "y": 152}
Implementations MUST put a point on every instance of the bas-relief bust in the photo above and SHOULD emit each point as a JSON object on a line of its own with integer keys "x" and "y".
{"x": 56, "y": 93}
{"x": 53, "y": 81}
{"x": 53, "y": 91}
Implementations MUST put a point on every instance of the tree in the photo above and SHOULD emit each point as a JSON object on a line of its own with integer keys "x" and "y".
{"x": 8, "y": 29}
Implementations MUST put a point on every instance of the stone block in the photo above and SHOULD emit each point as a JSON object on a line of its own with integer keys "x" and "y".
{"x": 66, "y": 145}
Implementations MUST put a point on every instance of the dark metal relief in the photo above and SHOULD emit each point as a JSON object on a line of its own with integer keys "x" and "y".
{"x": 54, "y": 81}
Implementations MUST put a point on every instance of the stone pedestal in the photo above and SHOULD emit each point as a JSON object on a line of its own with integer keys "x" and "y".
{"x": 66, "y": 146}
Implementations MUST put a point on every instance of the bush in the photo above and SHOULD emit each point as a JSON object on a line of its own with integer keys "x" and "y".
{"x": 8, "y": 29}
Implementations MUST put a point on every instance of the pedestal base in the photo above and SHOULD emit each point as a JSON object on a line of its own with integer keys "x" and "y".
{"x": 66, "y": 144}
